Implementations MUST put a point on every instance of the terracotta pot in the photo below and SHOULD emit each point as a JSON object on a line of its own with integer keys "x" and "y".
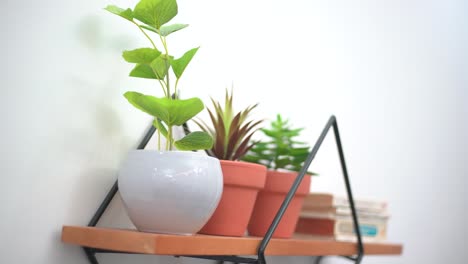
{"x": 242, "y": 182}
{"x": 269, "y": 201}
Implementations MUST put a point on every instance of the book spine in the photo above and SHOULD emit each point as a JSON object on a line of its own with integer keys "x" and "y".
{"x": 360, "y": 204}
{"x": 316, "y": 226}
{"x": 370, "y": 230}
{"x": 343, "y": 229}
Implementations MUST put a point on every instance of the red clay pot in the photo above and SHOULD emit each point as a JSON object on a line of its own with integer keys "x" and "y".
{"x": 269, "y": 201}
{"x": 242, "y": 181}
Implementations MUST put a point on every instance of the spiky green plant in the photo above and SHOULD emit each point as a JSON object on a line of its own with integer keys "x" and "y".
{"x": 231, "y": 132}
{"x": 281, "y": 151}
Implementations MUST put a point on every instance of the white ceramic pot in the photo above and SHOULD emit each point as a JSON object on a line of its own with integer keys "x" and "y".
{"x": 170, "y": 192}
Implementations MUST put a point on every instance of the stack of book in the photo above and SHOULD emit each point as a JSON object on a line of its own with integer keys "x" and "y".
{"x": 325, "y": 214}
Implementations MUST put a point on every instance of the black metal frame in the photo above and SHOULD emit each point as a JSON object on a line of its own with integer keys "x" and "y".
{"x": 91, "y": 252}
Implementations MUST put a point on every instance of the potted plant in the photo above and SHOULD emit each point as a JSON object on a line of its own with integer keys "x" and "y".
{"x": 242, "y": 180}
{"x": 284, "y": 157}
{"x": 164, "y": 190}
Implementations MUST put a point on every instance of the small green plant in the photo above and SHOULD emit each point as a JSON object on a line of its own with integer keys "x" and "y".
{"x": 231, "y": 133}
{"x": 281, "y": 151}
{"x": 151, "y": 63}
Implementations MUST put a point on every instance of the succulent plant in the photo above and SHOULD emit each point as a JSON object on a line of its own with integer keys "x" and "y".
{"x": 231, "y": 132}
{"x": 281, "y": 151}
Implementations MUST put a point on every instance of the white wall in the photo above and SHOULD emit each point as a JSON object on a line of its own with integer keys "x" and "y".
{"x": 394, "y": 73}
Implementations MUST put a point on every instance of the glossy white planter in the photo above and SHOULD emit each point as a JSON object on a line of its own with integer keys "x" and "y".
{"x": 170, "y": 192}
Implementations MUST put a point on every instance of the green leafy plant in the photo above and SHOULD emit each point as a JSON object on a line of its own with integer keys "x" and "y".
{"x": 281, "y": 151}
{"x": 151, "y": 63}
{"x": 231, "y": 132}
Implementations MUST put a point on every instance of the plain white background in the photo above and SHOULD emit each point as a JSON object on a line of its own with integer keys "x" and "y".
{"x": 393, "y": 72}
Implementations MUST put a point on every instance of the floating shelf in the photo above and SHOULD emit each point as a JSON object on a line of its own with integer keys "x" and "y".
{"x": 105, "y": 240}
{"x": 132, "y": 241}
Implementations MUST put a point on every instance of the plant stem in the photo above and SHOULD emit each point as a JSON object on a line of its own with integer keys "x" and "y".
{"x": 152, "y": 43}
{"x": 167, "y": 80}
{"x": 164, "y": 43}
{"x": 159, "y": 139}
{"x": 154, "y": 46}
{"x": 175, "y": 87}
{"x": 169, "y": 138}
{"x": 165, "y": 86}
{"x": 167, "y": 141}
{"x": 162, "y": 86}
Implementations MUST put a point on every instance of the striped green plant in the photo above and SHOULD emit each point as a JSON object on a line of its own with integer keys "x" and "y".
{"x": 231, "y": 132}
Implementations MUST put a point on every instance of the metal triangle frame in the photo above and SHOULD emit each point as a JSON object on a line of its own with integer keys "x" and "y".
{"x": 91, "y": 252}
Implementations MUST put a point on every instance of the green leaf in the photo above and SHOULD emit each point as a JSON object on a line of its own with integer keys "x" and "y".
{"x": 167, "y": 30}
{"x": 179, "y": 65}
{"x": 155, "y": 13}
{"x": 281, "y": 149}
{"x": 160, "y": 126}
{"x": 160, "y": 67}
{"x": 220, "y": 132}
{"x": 170, "y": 111}
{"x": 299, "y": 151}
{"x": 143, "y": 55}
{"x": 145, "y": 103}
{"x": 150, "y": 28}
{"x": 281, "y": 163}
{"x": 251, "y": 158}
{"x": 292, "y": 133}
{"x": 195, "y": 141}
{"x": 228, "y": 111}
{"x": 125, "y": 13}
{"x": 143, "y": 71}
{"x": 271, "y": 133}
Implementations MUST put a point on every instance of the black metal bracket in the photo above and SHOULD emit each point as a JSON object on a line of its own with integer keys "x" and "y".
{"x": 331, "y": 123}
{"x": 91, "y": 252}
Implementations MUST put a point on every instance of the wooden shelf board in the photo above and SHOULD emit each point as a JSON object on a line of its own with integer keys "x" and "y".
{"x": 161, "y": 244}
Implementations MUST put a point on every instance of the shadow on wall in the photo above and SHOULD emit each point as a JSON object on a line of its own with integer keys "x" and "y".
{"x": 92, "y": 36}
{"x": 64, "y": 251}
{"x": 93, "y": 137}
{"x": 93, "y": 125}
